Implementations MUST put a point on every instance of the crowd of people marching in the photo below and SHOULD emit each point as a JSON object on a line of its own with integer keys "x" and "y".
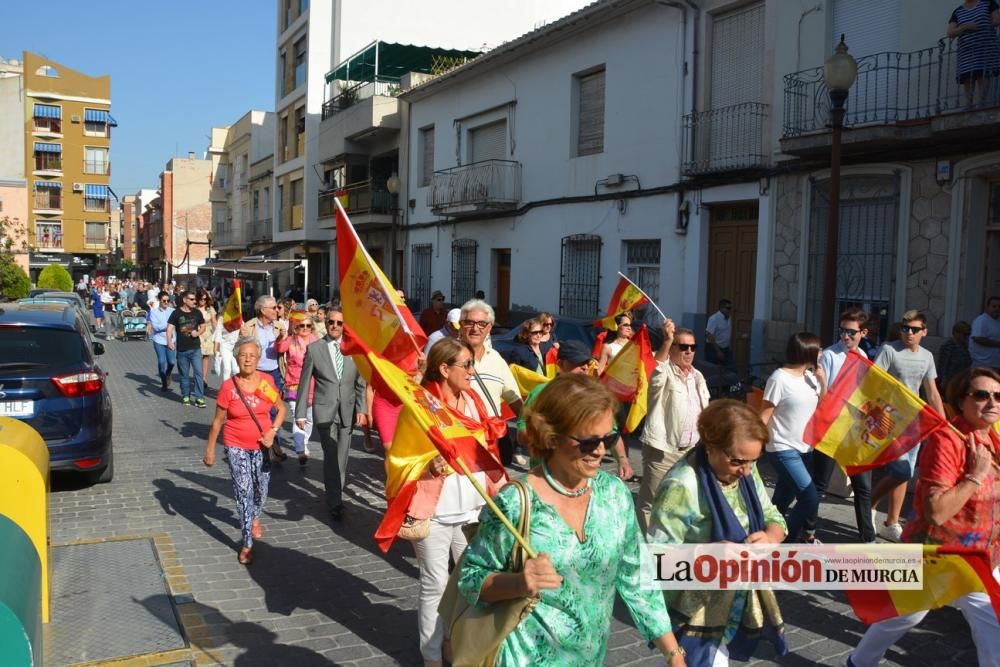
{"x": 700, "y": 480}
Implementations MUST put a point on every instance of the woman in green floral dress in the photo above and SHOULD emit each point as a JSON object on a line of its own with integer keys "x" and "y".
{"x": 584, "y": 528}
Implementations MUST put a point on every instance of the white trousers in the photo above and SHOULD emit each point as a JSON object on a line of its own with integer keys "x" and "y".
{"x": 432, "y": 558}
{"x": 978, "y": 613}
{"x": 228, "y": 362}
{"x": 300, "y": 436}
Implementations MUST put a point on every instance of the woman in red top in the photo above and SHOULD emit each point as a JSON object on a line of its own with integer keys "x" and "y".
{"x": 244, "y": 407}
{"x": 294, "y": 349}
{"x": 956, "y": 504}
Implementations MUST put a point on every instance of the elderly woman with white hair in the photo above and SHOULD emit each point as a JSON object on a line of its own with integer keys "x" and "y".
{"x": 243, "y": 415}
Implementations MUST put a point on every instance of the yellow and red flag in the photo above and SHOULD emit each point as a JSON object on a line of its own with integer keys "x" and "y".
{"x": 627, "y": 297}
{"x": 267, "y": 391}
{"x": 426, "y": 429}
{"x": 868, "y": 418}
{"x": 595, "y": 352}
{"x": 371, "y": 305}
{"x": 627, "y": 376}
{"x": 232, "y": 314}
{"x": 949, "y": 573}
{"x": 526, "y": 380}
{"x": 551, "y": 362}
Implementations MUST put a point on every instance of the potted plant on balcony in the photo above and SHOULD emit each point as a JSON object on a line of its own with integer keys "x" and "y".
{"x": 348, "y": 95}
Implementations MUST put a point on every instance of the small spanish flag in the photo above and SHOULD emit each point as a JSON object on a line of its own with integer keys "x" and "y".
{"x": 868, "y": 418}
{"x": 627, "y": 377}
{"x": 267, "y": 391}
{"x": 232, "y": 315}
{"x": 552, "y": 362}
{"x": 626, "y": 298}
{"x": 526, "y": 380}
{"x": 949, "y": 573}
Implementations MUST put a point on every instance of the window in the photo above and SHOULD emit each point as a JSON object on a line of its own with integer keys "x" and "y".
{"x": 256, "y": 205}
{"x": 590, "y": 113}
{"x": 96, "y": 233}
{"x": 303, "y": 7}
{"x": 48, "y": 157}
{"x": 47, "y": 70}
{"x": 279, "y": 196}
{"x": 95, "y": 160}
{"x": 48, "y": 118}
{"x": 265, "y": 205}
{"x": 420, "y": 277}
{"x": 95, "y": 122}
{"x": 297, "y": 190}
{"x": 580, "y": 276}
{"x": 48, "y": 235}
{"x": 220, "y": 175}
{"x": 288, "y": 13}
{"x": 642, "y": 266}
{"x": 95, "y": 198}
{"x": 463, "y": 270}
{"x": 426, "y": 155}
{"x": 48, "y": 195}
{"x": 283, "y": 138}
{"x": 488, "y": 142}
{"x": 300, "y": 62}
{"x": 282, "y": 58}
{"x": 300, "y": 131}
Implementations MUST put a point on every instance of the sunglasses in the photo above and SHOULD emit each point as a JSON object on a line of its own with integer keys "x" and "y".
{"x": 624, "y": 324}
{"x": 906, "y": 329}
{"x": 303, "y": 326}
{"x": 478, "y": 324}
{"x": 686, "y": 347}
{"x": 849, "y": 332}
{"x": 740, "y": 463}
{"x": 467, "y": 364}
{"x": 537, "y": 332}
{"x": 549, "y": 325}
{"x": 589, "y": 445}
{"x": 981, "y": 395}
{"x": 335, "y": 323}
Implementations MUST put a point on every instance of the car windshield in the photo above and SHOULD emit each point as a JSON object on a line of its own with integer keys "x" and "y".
{"x": 24, "y": 347}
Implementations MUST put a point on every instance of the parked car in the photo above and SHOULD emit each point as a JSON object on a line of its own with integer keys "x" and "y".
{"x": 567, "y": 328}
{"x": 50, "y": 380}
{"x": 49, "y": 296}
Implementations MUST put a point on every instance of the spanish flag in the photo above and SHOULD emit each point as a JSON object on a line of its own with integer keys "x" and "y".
{"x": 267, "y": 391}
{"x": 868, "y": 418}
{"x": 232, "y": 314}
{"x": 949, "y": 573}
{"x": 426, "y": 429}
{"x": 527, "y": 380}
{"x": 627, "y": 297}
{"x": 552, "y": 362}
{"x": 378, "y": 315}
{"x": 627, "y": 376}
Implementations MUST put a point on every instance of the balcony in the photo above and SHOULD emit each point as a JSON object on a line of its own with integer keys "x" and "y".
{"x": 223, "y": 237}
{"x": 726, "y": 140}
{"x": 50, "y": 162}
{"x": 260, "y": 230}
{"x": 97, "y": 167}
{"x": 48, "y": 236}
{"x": 353, "y": 92}
{"x": 47, "y": 199}
{"x": 902, "y": 102}
{"x": 490, "y": 186}
{"x": 366, "y": 203}
{"x": 96, "y": 205}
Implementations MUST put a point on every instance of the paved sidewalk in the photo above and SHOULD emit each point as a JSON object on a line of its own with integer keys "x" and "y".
{"x": 321, "y": 593}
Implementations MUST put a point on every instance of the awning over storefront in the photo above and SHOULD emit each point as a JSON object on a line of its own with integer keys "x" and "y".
{"x": 251, "y": 269}
{"x": 47, "y": 111}
{"x": 387, "y": 61}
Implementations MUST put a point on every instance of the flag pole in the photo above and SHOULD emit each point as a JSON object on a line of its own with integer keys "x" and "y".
{"x": 496, "y": 510}
{"x": 651, "y": 302}
{"x": 389, "y": 292}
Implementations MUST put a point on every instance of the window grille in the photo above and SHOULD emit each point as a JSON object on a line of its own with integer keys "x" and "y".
{"x": 580, "y": 276}
{"x": 463, "y": 270}
{"x": 420, "y": 277}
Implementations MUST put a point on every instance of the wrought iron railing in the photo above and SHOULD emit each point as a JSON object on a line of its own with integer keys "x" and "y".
{"x": 891, "y": 87}
{"x": 360, "y": 197}
{"x": 48, "y": 236}
{"x": 260, "y": 230}
{"x": 351, "y": 92}
{"x": 48, "y": 199}
{"x": 726, "y": 139}
{"x": 97, "y": 167}
{"x": 486, "y": 184}
{"x": 48, "y": 162}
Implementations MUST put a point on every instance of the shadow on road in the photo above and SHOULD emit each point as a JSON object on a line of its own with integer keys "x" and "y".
{"x": 200, "y": 508}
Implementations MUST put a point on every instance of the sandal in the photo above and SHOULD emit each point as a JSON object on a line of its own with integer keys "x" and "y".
{"x": 256, "y": 530}
{"x": 246, "y": 556}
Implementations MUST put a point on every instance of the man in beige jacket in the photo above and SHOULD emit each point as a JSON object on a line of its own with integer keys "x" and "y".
{"x": 677, "y": 395}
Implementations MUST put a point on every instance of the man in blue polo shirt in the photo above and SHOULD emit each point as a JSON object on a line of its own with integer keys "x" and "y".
{"x": 156, "y": 330}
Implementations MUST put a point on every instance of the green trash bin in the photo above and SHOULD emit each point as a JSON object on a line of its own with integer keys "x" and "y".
{"x": 20, "y": 598}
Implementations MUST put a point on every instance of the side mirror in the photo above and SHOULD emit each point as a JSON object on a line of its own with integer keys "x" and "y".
{"x": 98, "y": 348}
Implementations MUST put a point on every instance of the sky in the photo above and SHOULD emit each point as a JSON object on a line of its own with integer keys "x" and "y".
{"x": 178, "y": 68}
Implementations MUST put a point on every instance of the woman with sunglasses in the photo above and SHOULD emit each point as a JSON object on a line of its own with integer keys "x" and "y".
{"x": 622, "y": 335}
{"x": 447, "y": 498}
{"x": 549, "y": 338}
{"x": 955, "y": 503}
{"x": 206, "y": 304}
{"x": 584, "y": 528}
{"x": 715, "y": 494}
{"x": 292, "y": 349}
{"x": 527, "y": 353}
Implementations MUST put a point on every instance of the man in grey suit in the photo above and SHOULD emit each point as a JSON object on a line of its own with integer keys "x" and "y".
{"x": 338, "y": 403}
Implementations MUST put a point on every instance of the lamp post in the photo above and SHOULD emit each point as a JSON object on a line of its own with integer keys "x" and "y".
{"x": 392, "y": 185}
{"x": 839, "y": 72}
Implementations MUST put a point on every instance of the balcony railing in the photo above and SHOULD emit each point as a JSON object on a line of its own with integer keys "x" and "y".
{"x": 48, "y": 162}
{"x": 891, "y": 88}
{"x": 48, "y": 236}
{"x": 260, "y": 230}
{"x": 97, "y": 167}
{"x": 480, "y": 186}
{"x": 726, "y": 139}
{"x": 350, "y": 94}
{"x": 95, "y": 205}
{"x": 48, "y": 200}
{"x": 358, "y": 198}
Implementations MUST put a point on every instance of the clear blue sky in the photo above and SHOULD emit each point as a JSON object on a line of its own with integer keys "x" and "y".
{"x": 177, "y": 68}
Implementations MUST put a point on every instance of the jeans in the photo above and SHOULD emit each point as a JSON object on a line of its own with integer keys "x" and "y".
{"x": 822, "y": 469}
{"x": 165, "y": 360}
{"x": 190, "y": 361}
{"x": 794, "y": 483}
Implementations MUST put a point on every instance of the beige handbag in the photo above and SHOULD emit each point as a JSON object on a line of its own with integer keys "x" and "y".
{"x": 414, "y": 529}
{"x": 476, "y": 634}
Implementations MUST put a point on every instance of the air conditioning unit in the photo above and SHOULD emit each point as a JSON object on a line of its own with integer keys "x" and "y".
{"x": 78, "y": 187}
{"x": 74, "y": 119}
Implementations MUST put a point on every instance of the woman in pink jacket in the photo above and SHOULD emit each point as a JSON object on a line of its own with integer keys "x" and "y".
{"x": 293, "y": 347}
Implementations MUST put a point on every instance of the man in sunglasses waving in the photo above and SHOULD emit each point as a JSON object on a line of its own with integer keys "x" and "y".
{"x": 677, "y": 395}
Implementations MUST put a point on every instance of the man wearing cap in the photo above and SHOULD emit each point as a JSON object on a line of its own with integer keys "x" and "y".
{"x": 573, "y": 357}
{"x": 450, "y": 329}
{"x": 677, "y": 395}
{"x": 433, "y": 318}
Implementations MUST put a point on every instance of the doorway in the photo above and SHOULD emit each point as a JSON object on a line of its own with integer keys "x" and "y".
{"x": 732, "y": 270}
{"x": 501, "y": 260}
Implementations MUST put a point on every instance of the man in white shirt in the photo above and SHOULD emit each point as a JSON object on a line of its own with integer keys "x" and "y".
{"x": 719, "y": 335}
{"x": 984, "y": 346}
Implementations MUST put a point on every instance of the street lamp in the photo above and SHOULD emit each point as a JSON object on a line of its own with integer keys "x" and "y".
{"x": 392, "y": 185}
{"x": 839, "y": 72}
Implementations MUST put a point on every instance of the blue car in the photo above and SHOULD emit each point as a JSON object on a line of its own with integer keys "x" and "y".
{"x": 50, "y": 380}
{"x": 567, "y": 328}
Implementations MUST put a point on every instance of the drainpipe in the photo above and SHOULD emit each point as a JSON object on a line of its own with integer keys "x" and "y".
{"x": 691, "y": 70}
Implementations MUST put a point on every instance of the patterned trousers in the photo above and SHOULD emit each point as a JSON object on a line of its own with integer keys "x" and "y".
{"x": 251, "y": 471}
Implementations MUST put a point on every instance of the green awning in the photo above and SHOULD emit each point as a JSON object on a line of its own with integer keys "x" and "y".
{"x": 386, "y": 61}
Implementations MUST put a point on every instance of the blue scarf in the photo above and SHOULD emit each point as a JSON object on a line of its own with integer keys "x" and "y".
{"x": 725, "y": 525}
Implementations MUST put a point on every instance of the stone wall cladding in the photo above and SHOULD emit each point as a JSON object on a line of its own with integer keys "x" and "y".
{"x": 930, "y": 213}
{"x": 787, "y": 238}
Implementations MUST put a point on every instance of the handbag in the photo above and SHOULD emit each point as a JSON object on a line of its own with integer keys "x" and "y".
{"x": 414, "y": 529}
{"x": 239, "y": 392}
{"x": 476, "y": 633}
{"x": 506, "y": 443}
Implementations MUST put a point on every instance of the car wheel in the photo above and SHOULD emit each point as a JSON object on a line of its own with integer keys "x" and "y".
{"x": 107, "y": 473}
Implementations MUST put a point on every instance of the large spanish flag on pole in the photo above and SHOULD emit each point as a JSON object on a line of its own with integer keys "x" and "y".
{"x": 868, "y": 418}
{"x": 232, "y": 314}
{"x": 626, "y": 297}
{"x": 371, "y": 305}
{"x": 627, "y": 376}
{"x": 949, "y": 573}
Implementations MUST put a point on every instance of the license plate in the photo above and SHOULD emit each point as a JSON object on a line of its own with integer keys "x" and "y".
{"x": 17, "y": 408}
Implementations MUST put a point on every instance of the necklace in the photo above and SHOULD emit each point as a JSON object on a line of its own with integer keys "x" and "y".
{"x": 559, "y": 488}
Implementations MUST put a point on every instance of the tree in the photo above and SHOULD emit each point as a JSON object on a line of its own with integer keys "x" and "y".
{"x": 13, "y": 237}
{"x": 55, "y": 277}
{"x": 14, "y": 282}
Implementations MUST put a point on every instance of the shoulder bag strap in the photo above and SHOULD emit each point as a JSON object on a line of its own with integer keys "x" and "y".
{"x": 517, "y": 556}
{"x": 239, "y": 392}
{"x": 486, "y": 393}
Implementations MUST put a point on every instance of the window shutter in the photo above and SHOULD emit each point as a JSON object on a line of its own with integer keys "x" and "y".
{"x": 868, "y": 26}
{"x": 590, "y": 134}
{"x": 737, "y": 57}
{"x": 427, "y": 166}
{"x": 489, "y": 142}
